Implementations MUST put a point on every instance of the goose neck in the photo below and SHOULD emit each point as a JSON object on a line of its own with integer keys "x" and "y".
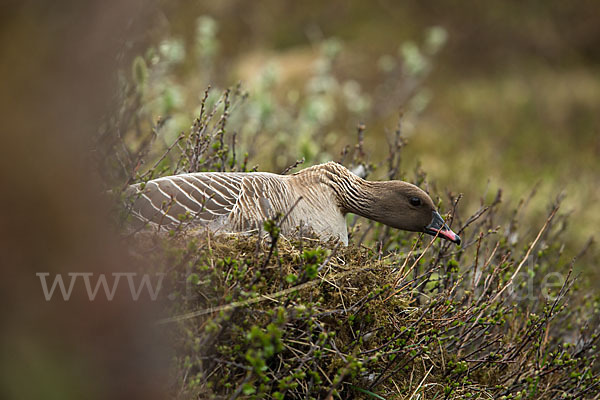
{"x": 355, "y": 195}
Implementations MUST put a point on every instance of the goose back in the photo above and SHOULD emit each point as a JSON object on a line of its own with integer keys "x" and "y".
{"x": 240, "y": 202}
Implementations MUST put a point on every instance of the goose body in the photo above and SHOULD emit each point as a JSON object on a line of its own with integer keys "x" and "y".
{"x": 316, "y": 198}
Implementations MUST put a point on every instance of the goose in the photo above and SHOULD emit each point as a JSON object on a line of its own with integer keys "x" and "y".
{"x": 317, "y": 198}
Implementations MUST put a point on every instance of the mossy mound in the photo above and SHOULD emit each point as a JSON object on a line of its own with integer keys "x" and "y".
{"x": 274, "y": 318}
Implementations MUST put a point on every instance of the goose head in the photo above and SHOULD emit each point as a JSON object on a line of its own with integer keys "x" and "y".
{"x": 405, "y": 206}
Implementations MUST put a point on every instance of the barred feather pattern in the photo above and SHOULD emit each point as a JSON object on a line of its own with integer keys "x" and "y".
{"x": 315, "y": 198}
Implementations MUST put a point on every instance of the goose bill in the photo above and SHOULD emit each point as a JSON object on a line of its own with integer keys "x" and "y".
{"x": 439, "y": 227}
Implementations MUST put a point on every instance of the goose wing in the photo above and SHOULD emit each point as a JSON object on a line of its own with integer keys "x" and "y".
{"x": 187, "y": 199}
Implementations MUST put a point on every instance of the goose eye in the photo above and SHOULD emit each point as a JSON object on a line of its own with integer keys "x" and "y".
{"x": 415, "y": 201}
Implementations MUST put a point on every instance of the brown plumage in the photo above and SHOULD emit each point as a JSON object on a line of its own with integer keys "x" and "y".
{"x": 317, "y": 198}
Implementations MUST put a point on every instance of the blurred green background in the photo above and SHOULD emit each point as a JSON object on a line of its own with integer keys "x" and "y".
{"x": 493, "y": 95}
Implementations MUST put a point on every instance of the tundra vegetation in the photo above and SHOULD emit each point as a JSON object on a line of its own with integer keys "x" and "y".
{"x": 395, "y": 315}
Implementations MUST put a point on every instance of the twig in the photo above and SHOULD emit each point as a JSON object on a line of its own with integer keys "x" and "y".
{"x": 510, "y": 281}
{"x": 255, "y": 300}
